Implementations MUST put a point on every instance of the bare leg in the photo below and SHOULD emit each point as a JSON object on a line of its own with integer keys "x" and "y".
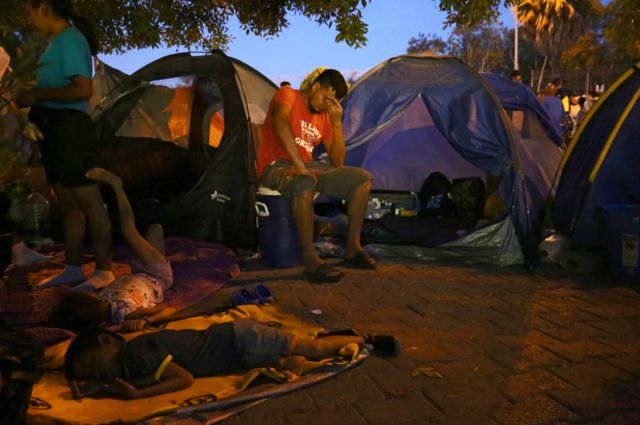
{"x": 89, "y": 199}
{"x": 73, "y": 220}
{"x": 303, "y": 217}
{"x": 146, "y": 251}
{"x": 155, "y": 236}
{"x": 356, "y": 209}
{"x": 325, "y": 347}
{"x": 74, "y": 225}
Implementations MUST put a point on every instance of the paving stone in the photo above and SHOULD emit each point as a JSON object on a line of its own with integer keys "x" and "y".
{"x": 528, "y": 384}
{"x": 537, "y": 410}
{"x": 590, "y": 374}
{"x": 555, "y": 348}
{"x": 529, "y": 357}
{"x": 412, "y": 406}
{"x": 456, "y": 398}
{"x": 339, "y": 415}
{"x": 580, "y": 351}
{"x": 471, "y": 368}
{"x": 597, "y": 403}
{"x": 345, "y": 390}
{"x": 630, "y": 364}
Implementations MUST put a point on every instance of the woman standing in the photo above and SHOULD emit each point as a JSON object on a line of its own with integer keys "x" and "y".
{"x": 69, "y": 147}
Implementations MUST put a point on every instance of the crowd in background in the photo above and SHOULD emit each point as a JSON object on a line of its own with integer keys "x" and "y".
{"x": 566, "y": 107}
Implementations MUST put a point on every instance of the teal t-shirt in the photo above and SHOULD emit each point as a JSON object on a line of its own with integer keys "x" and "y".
{"x": 67, "y": 56}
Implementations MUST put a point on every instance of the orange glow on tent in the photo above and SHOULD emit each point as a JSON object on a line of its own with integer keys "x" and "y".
{"x": 179, "y": 120}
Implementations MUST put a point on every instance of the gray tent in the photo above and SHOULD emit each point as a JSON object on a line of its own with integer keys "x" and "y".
{"x": 182, "y": 132}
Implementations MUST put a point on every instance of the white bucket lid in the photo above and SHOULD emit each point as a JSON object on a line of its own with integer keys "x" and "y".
{"x": 268, "y": 192}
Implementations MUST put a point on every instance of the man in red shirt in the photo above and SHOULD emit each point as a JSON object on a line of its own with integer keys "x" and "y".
{"x": 297, "y": 121}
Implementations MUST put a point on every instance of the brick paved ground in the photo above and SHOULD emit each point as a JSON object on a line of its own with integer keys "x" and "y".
{"x": 512, "y": 348}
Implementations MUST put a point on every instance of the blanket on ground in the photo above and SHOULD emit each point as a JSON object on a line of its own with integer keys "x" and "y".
{"x": 51, "y": 397}
{"x": 199, "y": 268}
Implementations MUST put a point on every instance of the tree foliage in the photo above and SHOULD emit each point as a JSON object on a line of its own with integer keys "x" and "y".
{"x": 483, "y": 47}
{"x": 124, "y": 25}
{"x": 472, "y": 12}
{"x": 586, "y": 53}
{"x": 623, "y": 27}
{"x": 428, "y": 43}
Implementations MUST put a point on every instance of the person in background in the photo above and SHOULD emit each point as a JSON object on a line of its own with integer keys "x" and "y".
{"x": 516, "y": 76}
{"x": 58, "y": 107}
{"x": 297, "y": 121}
{"x": 554, "y": 107}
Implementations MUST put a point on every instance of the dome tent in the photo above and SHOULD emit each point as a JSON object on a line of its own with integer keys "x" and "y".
{"x": 600, "y": 166}
{"x": 181, "y": 132}
{"x": 416, "y": 114}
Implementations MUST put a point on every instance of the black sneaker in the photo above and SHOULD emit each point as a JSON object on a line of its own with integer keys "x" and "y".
{"x": 385, "y": 344}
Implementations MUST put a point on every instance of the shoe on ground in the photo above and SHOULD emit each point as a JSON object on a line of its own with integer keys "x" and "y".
{"x": 386, "y": 345}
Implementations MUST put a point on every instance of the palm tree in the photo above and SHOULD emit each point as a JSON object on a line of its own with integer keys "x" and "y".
{"x": 552, "y": 25}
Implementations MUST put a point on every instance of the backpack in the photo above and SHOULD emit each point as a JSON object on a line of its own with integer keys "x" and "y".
{"x": 435, "y": 196}
{"x": 468, "y": 195}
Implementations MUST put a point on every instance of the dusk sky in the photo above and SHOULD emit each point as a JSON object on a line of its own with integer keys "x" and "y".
{"x": 305, "y": 45}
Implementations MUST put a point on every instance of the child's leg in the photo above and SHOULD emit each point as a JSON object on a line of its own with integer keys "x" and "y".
{"x": 147, "y": 252}
{"x": 325, "y": 347}
{"x": 155, "y": 236}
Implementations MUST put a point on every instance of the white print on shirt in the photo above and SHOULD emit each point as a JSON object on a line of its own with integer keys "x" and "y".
{"x": 310, "y": 136}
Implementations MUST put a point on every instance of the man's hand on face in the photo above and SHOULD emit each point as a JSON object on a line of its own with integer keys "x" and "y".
{"x": 334, "y": 108}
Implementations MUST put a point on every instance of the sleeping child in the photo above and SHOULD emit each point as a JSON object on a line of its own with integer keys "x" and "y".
{"x": 169, "y": 360}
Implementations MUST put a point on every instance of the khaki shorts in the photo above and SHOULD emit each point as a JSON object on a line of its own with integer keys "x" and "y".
{"x": 339, "y": 182}
{"x": 261, "y": 345}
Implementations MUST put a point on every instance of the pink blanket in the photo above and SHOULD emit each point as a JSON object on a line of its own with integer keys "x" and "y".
{"x": 199, "y": 268}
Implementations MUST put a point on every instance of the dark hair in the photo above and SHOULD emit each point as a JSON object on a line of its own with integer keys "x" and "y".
{"x": 515, "y": 73}
{"x": 83, "y": 342}
{"x": 334, "y": 79}
{"x": 78, "y": 311}
{"x": 285, "y": 83}
{"x": 557, "y": 81}
{"x": 64, "y": 9}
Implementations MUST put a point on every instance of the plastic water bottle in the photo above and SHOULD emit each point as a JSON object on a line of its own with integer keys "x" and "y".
{"x": 35, "y": 213}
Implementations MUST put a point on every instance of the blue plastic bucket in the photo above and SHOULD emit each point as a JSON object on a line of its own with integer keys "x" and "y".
{"x": 622, "y": 240}
{"x": 277, "y": 234}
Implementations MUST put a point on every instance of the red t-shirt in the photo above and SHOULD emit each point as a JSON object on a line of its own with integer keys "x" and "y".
{"x": 308, "y": 129}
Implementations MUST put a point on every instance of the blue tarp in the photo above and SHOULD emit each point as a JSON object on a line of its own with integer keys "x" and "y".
{"x": 413, "y": 115}
{"x": 578, "y": 204}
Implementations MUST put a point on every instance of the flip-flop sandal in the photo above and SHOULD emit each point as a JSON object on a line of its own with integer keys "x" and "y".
{"x": 362, "y": 261}
{"x": 324, "y": 274}
{"x": 243, "y": 296}
{"x": 264, "y": 294}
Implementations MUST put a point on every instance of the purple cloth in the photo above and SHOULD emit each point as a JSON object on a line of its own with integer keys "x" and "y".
{"x": 199, "y": 269}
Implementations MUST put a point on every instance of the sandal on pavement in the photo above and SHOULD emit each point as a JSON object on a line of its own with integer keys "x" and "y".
{"x": 243, "y": 296}
{"x": 264, "y": 294}
{"x": 323, "y": 274}
{"x": 362, "y": 261}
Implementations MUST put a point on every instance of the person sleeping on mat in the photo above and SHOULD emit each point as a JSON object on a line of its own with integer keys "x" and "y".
{"x": 101, "y": 363}
{"x": 132, "y": 299}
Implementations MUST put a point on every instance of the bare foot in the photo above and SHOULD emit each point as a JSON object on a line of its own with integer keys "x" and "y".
{"x": 104, "y": 176}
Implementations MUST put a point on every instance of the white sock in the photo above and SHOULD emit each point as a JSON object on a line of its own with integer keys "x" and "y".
{"x": 68, "y": 275}
{"x": 23, "y": 255}
{"x": 99, "y": 280}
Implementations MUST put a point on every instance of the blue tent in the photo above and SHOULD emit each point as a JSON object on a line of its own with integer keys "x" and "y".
{"x": 601, "y": 165}
{"x": 416, "y": 114}
{"x": 515, "y": 96}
